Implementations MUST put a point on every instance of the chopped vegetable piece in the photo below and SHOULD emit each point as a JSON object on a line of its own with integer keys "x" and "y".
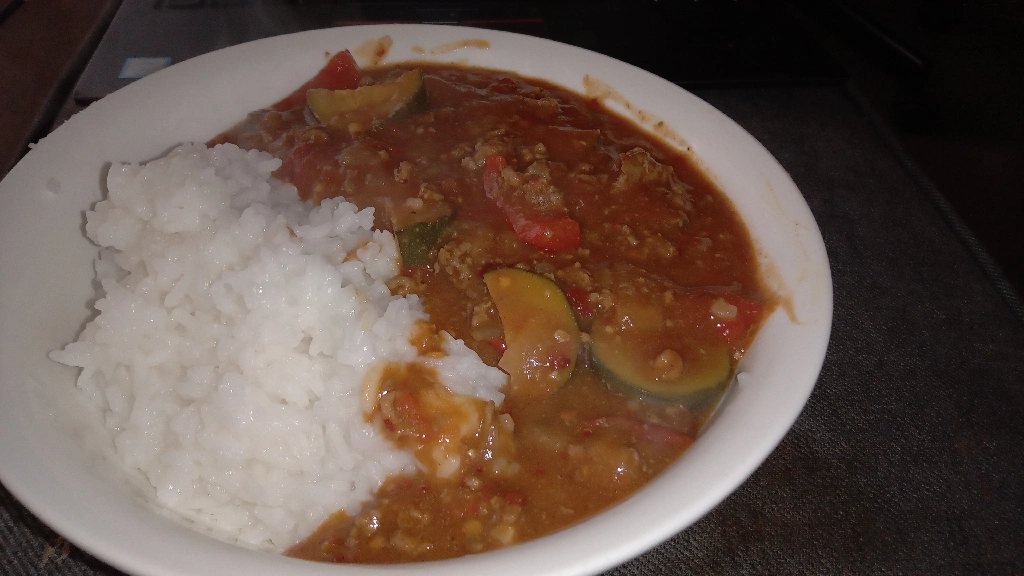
{"x": 310, "y": 168}
{"x": 542, "y": 340}
{"x": 746, "y": 312}
{"x": 580, "y": 300}
{"x": 534, "y": 207}
{"x": 416, "y": 241}
{"x": 367, "y": 107}
{"x": 642, "y": 430}
{"x": 340, "y": 73}
{"x": 498, "y": 344}
{"x": 493, "y": 166}
{"x": 550, "y": 234}
{"x": 640, "y": 353}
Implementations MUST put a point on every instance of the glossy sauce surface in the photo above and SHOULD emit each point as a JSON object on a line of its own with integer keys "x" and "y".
{"x": 494, "y": 171}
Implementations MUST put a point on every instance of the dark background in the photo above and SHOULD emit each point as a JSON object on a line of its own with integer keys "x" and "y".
{"x": 963, "y": 122}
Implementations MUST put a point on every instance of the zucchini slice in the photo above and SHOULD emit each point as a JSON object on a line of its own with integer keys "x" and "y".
{"x": 368, "y": 107}
{"x": 542, "y": 340}
{"x": 417, "y": 241}
{"x": 655, "y": 361}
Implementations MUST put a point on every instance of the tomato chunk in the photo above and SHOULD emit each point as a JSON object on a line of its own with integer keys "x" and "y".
{"x": 747, "y": 313}
{"x": 493, "y": 166}
{"x": 311, "y": 169}
{"x": 545, "y": 224}
{"x": 340, "y": 73}
{"x": 580, "y": 301}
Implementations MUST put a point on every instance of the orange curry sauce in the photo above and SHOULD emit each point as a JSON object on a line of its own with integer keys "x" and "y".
{"x": 640, "y": 242}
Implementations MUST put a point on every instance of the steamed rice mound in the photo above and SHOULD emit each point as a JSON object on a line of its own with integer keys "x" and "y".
{"x": 236, "y": 325}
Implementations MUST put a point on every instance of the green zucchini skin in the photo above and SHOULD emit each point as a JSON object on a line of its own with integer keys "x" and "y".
{"x": 703, "y": 372}
{"x": 416, "y": 242}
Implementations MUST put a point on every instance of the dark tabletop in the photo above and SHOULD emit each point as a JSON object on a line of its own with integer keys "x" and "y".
{"x": 908, "y": 456}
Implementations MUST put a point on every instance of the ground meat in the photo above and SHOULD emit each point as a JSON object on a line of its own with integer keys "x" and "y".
{"x": 651, "y": 255}
{"x": 638, "y": 168}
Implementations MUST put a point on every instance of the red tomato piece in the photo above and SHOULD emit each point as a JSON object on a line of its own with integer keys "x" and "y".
{"x": 642, "y": 430}
{"x": 312, "y": 170}
{"x": 747, "y": 313}
{"x": 550, "y": 234}
{"x": 498, "y": 344}
{"x": 545, "y": 230}
{"x": 340, "y": 73}
{"x": 580, "y": 301}
{"x": 493, "y": 166}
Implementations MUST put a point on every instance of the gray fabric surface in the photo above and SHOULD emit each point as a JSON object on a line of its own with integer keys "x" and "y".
{"x": 908, "y": 456}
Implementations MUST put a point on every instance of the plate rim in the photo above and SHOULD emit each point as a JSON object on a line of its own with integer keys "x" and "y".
{"x": 20, "y": 486}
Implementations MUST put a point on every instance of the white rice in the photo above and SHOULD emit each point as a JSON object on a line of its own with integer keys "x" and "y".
{"x": 235, "y": 327}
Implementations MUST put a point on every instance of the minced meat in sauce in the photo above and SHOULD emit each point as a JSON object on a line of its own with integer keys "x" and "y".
{"x": 493, "y": 182}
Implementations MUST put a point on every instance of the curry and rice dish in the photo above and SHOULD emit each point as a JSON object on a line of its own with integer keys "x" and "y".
{"x": 532, "y": 231}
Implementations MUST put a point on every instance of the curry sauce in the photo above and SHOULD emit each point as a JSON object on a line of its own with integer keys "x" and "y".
{"x": 479, "y": 171}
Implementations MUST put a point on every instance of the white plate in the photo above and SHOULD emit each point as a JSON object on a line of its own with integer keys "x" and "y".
{"x": 48, "y": 448}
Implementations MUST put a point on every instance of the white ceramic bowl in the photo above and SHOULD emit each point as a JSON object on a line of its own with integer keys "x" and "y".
{"x": 50, "y": 451}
